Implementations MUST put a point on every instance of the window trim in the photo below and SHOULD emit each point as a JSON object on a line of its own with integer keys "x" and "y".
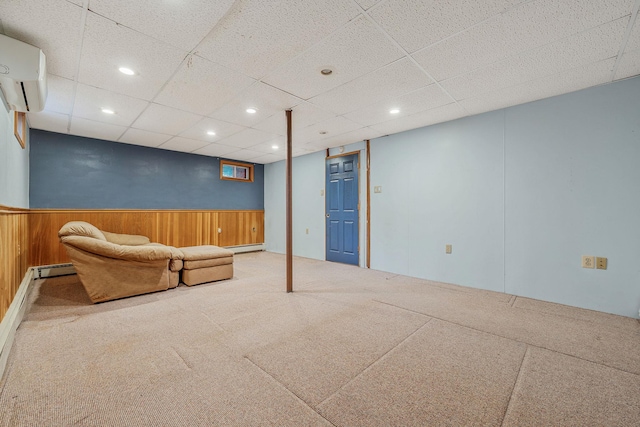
{"x": 248, "y": 166}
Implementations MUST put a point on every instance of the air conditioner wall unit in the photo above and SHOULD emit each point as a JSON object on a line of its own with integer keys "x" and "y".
{"x": 23, "y": 75}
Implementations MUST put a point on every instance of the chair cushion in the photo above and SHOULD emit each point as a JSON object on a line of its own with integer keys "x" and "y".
{"x": 81, "y": 228}
{"x": 195, "y": 253}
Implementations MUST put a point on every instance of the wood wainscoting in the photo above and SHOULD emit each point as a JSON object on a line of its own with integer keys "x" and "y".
{"x": 170, "y": 227}
{"x": 14, "y": 251}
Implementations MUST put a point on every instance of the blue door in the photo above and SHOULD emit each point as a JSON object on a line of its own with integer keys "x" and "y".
{"x": 342, "y": 209}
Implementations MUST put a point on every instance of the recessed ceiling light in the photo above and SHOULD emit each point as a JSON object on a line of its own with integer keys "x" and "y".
{"x": 127, "y": 71}
{"x": 326, "y": 71}
{"x": 394, "y": 111}
{"x": 108, "y": 111}
{"x": 251, "y": 110}
{"x": 275, "y": 147}
{"x": 210, "y": 132}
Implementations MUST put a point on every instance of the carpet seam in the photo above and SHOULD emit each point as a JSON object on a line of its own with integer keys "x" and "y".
{"x": 288, "y": 390}
{"x": 366, "y": 368}
{"x": 514, "y": 340}
{"x": 515, "y": 386}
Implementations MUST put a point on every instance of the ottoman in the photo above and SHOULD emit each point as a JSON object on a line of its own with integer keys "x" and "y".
{"x": 202, "y": 264}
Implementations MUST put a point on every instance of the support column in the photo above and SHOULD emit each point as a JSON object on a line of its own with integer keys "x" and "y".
{"x": 289, "y": 225}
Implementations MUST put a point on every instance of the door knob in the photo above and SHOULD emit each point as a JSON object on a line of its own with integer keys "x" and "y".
{"x": 327, "y": 215}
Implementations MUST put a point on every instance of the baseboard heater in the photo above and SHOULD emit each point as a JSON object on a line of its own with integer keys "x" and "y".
{"x": 44, "y": 271}
{"x": 246, "y": 248}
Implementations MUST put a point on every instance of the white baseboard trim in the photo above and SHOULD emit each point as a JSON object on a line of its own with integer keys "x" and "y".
{"x": 12, "y": 319}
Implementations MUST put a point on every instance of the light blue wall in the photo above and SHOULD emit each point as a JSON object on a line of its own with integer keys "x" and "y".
{"x": 14, "y": 164}
{"x": 521, "y": 194}
{"x": 441, "y": 185}
{"x": 74, "y": 172}
{"x": 573, "y": 189}
{"x": 308, "y": 206}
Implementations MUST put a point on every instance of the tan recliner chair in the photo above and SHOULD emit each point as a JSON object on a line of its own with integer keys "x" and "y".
{"x": 112, "y": 265}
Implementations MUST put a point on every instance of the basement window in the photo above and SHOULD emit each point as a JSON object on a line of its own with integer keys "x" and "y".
{"x": 235, "y": 171}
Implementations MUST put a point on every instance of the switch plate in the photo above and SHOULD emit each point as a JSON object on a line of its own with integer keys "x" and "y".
{"x": 307, "y": 231}
{"x": 448, "y": 249}
{"x": 601, "y": 263}
{"x": 322, "y": 192}
{"x": 588, "y": 261}
{"x": 377, "y": 189}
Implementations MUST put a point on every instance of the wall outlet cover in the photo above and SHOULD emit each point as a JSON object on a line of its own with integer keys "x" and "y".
{"x": 448, "y": 249}
{"x": 601, "y": 263}
{"x": 588, "y": 261}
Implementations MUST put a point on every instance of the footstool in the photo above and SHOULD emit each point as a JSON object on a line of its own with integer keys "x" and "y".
{"x": 202, "y": 264}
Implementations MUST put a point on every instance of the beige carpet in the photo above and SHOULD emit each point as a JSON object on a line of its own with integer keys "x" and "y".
{"x": 350, "y": 347}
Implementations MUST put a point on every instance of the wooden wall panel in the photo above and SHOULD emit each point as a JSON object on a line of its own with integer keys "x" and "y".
{"x": 175, "y": 228}
{"x": 14, "y": 250}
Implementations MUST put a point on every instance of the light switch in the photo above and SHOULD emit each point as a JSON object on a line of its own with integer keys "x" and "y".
{"x": 377, "y": 189}
{"x": 448, "y": 249}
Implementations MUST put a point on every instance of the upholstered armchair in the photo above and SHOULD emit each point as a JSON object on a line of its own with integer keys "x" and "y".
{"x": 112, "y": 265}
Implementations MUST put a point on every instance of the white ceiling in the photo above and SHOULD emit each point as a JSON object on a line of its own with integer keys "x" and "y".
{"x": 200, "y": 64}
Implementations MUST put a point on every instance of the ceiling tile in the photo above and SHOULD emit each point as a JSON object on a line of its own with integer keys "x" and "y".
{"x": 579, "y": 49}
{"x": 390, "y": 81}
{"x": 247, "y": 138}
{"x": 557, "y": 84}
{"x": 90, "y": 101}
{"x": 420, "y": 100}
{"x": 425, "y": 118}
{"x": 629, "y": 65}
{"x": 266, "y": 99}
{"x": 267, "y": 158}
{"x": 257, "y": 36}
{"x": 366, "y": 4}
{"x": 334, "y": 127}
{"x": 157, "y": 19}
{"x": 215, "y": 150}
{"x": 633, "y": 43}
{"x": 49, "y": 120}
{"x": 51, "y": 25}
{"x": 415, "y": 24}
{"x": 267, "y": 147}
{"x": 525, "y": 27}
{"x": 245, "y": 155}
{"x": 91, "y": 129}
{"x": 200, "y": 129}
{"x": 200, "y": 86}
{"x": 186, "y": 145}
{"x": 143, "y": 137}
{"x": 302, "y": 115}
{"x": 356, "y": 49}
{"x": 348, "y": 138}
{"x": 162, "y": 119}
{"x": 60, "y": 94}
{"x": 108, "y": 46}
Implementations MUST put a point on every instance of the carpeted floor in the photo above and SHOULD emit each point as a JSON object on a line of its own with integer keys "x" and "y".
{"x": 350, "y": 347}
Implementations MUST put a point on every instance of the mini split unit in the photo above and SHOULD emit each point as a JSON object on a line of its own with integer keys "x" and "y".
{"x": 23, "y": 75}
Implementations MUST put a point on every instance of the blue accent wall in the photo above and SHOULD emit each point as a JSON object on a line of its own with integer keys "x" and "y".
{"x": 72, "y": 172}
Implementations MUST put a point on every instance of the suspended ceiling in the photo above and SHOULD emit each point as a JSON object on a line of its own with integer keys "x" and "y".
{"x": 200, "y": 64}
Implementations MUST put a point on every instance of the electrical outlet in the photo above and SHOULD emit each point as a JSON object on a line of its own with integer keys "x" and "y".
{"x": 377, "y": 189}
{"x": 588, "y": 261}
{"x": 448, "y": 249}
{"x": 601, "y": 263}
